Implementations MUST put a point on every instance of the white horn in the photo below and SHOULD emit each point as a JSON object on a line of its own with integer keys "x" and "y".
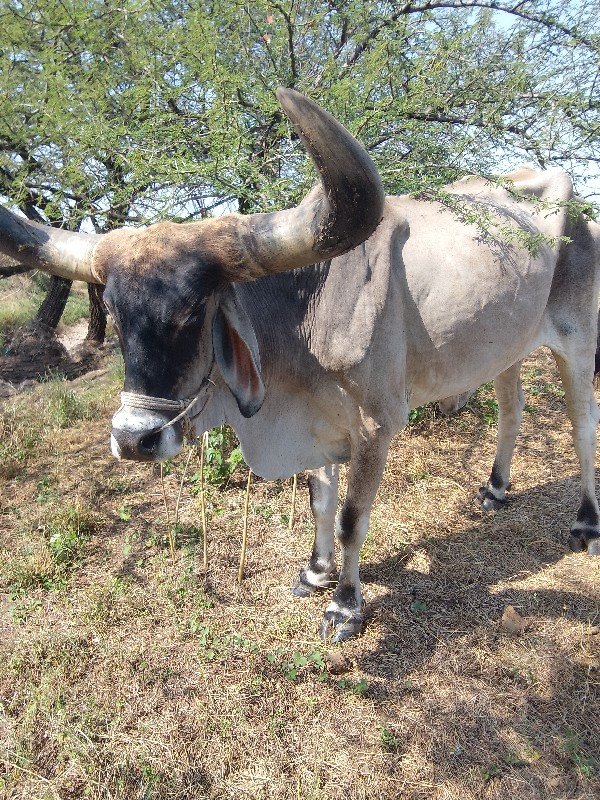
{"x": 64, "y": 253}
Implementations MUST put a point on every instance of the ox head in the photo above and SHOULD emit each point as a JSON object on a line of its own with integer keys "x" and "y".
{"x": 167, "y": 287}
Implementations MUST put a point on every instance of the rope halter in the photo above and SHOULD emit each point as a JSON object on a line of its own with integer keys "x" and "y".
{"x": 183, "y": 406}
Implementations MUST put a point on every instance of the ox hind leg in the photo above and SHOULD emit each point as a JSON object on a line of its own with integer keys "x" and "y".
{"x": 577, "y": 379}
{"x": 511, "y": 401}
{"x": 319, "y": 573}
{"x": 344, "y": 616}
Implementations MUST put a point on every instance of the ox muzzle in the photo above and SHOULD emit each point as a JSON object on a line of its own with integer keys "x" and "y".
{"x": 142, "y": 435}
{"x": 148, "y": 428}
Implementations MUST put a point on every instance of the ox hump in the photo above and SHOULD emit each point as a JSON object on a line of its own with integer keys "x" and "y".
{"x": 553, "y": 184}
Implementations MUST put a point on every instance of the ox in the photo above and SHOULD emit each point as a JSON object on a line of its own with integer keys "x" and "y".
{"x": 314, "y": 331}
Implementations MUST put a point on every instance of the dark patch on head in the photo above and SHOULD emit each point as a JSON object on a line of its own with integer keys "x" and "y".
{"x": 587, "y": 512}
{"x": 158, "y": 285}
{"x": 159, "y": 317}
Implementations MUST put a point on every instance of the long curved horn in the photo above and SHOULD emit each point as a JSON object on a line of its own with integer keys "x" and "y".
{"x": 344, "y": 213}
{"x": 64, "y": 253}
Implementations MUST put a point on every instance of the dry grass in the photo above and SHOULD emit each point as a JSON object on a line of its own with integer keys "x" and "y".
{"x": 125, "y": 675}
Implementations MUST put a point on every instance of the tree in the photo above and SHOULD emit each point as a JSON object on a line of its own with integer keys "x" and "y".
{"x": 10, "y": 267}
{"x": 97, "y": 324}
{"x": 127, "y": 112}
{"x": 51, "y": 310}
{"x": 124, "y": 112}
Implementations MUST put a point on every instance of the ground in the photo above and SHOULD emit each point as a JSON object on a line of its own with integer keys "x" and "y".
{"x": 129, "y": 668}
{"x": 35, "y": 351}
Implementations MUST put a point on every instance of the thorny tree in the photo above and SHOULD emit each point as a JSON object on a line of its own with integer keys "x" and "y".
{"x": 124, "y": 112}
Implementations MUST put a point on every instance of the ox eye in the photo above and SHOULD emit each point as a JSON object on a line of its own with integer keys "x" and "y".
{"x": 194, "y": 312}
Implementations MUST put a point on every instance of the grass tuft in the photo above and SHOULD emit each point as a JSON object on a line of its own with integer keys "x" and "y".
{"x": 50, "y": 551}
{"x": 27, "y": 420}
{"x": 66, "y": 407}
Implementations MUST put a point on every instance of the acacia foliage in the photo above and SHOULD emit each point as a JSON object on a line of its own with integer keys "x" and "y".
{"x": 119, "y": 111}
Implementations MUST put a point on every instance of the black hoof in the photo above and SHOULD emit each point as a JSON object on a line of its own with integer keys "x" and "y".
{"x": 337, "y": 627}
{"x": 581, "y": 541}
{"x": 576, "y": 544}
{"x": 488, "y": 501}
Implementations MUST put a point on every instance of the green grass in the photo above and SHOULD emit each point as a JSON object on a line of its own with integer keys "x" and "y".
{"x": 116, "y": 369}
{"x": 25, "y": 425}
{"x": 389, "y": 741}
{"x": 222, "y": 456}
{"x": 18, "y": 307}
{"x": 77, "y": 308}
{"x": 49, "y": 553}
{"x": 65, "y": 407}
{"x": 67, "y": 531}
{"x": 572, "y": 747}
{"x": 484, "y": 400}
{"x": 126, "y": 673}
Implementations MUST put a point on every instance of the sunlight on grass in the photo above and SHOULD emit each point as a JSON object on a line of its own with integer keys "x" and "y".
{"x": 142, "y": 675}
{"x": 77, "y": 308}
{"x": 27, "y": 420}
{"x": 17, "y": 309}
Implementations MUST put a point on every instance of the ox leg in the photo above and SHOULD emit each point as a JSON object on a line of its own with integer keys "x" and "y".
{"x": 344, "y": 616}
{"x": 583, "y": 413}
{"x": 511, "y": 401}
{"x": 319, "y": 573}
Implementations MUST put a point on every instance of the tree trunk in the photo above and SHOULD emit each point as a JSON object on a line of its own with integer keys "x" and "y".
{"x": 55, "y": 301}
{"x": 97, "y": 324}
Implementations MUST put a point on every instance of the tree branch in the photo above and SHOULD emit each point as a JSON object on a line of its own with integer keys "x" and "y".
{"x": 492, "y": 5}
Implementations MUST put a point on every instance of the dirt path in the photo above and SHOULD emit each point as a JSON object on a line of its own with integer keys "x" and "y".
{"x": 74, "y": 335}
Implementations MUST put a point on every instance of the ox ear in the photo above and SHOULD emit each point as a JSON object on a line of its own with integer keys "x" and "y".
{"x": 236, "y": 353}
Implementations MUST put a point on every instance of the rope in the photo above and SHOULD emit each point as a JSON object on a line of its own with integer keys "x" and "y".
{"x": 135, "y": 400}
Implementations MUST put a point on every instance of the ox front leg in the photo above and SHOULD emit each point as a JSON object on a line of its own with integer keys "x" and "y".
{"x": 577, "y": 380}
{"x": 319, "y": 573}
{"x": 511, "y": 401}
{"x": 344, "y": 616}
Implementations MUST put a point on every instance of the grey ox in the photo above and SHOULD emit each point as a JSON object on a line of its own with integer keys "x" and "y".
{"x": 314, "y": 331}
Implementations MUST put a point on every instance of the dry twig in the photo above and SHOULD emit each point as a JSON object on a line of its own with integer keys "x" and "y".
{"x": 245, "y": 531}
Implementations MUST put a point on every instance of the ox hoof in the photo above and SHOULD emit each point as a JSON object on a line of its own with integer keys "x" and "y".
{"x": 300, "y": 589}
{"x": 488, "y": 501}
{"x": 337, "y": 626}
{"x": 581, "y": 541}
